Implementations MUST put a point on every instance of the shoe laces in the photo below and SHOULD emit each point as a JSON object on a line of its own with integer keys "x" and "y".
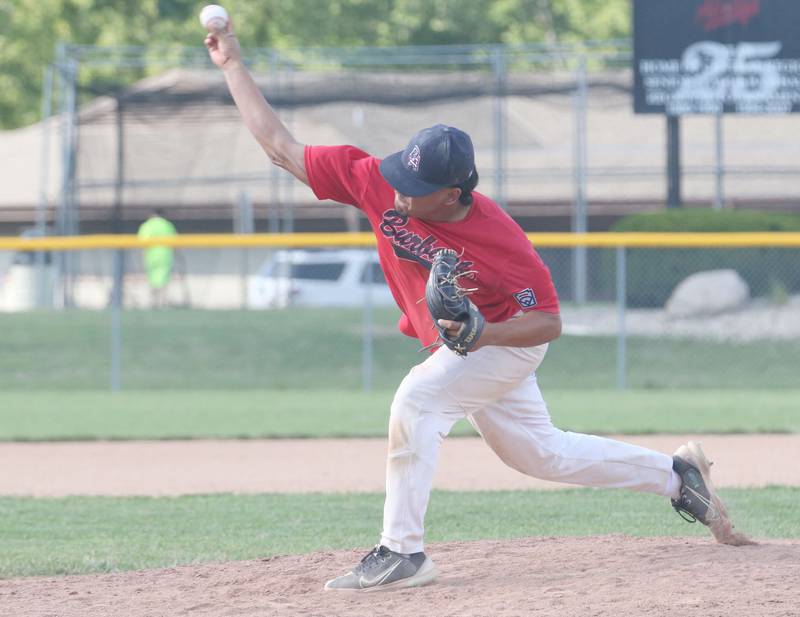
{"x": 681, "y": 508}
{"x": 376, "y": 555}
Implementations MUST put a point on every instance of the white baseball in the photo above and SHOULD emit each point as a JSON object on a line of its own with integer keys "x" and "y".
{"x": 214, "y": 18}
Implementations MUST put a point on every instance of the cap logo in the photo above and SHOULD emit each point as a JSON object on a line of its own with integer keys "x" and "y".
{"x": 414, "y": 158}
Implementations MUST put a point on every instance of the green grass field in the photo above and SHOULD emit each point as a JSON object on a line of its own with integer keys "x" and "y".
{"x": 315, "y": 348}
{"x": 101, "y": 534}
{"x": 168, "y": 414}
{"x": 193, "y": 374}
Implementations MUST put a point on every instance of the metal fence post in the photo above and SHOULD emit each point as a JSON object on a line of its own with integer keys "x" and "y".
{"x": 674, "y": 171}
{"x": 244, "y": 225}
{"x": 288, "y": 120}
{"x": 500, "y": 140}
{"x": 719, "y": 197}
{"x": 118, "y": 288}
{"x": 116, "y": 323}
{"x": 41, "y": 206}
{"x": 67, "y": 76}
{"x": 71, "y": 215}
{"x": 579, "y": 224}
{"x": 621, "y": 335}
{"x": 276, "y": 207}
{"x": 368, "y": 337}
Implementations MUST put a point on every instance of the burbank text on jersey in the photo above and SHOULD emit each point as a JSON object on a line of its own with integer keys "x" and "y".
{"x": 411, "y": 246}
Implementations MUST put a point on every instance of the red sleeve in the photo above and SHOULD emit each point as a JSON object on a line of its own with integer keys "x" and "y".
{"x": 529, "y": 286}
{"x": 340, "y": 173}
{"x": 406, "y": 327}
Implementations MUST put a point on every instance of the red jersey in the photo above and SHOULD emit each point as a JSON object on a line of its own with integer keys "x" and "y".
{"x": 508, "y": 273}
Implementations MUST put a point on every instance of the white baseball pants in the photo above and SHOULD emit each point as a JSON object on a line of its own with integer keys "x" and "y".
{"x": 496, "y": 389}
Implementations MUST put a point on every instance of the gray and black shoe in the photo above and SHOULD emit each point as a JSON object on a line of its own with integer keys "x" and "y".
{"x": 385, "y": 569}
{"x": 698, "y": 500}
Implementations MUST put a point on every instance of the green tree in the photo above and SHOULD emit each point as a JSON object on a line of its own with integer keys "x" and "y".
{"x": 550, "y": 21}
{"x": 30, "y": 30}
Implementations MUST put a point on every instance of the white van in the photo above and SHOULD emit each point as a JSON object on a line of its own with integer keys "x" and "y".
{"x": 345, "y": 277}
{"x": 25, "y": 283}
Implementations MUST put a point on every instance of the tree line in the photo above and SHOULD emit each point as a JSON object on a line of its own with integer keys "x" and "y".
{"x": 30, "y": 30}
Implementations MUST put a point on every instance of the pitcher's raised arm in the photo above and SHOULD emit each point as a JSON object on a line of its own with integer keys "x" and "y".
{"x": 259, "y": 117}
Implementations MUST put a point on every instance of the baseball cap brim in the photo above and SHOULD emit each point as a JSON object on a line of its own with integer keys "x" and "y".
{"x": 404, "y": 181}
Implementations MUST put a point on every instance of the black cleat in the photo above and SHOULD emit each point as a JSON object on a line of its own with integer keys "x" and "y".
{"x": 698, "y": 500}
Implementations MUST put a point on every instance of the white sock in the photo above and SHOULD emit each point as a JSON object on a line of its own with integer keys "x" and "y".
{"x": 674, "y": 486}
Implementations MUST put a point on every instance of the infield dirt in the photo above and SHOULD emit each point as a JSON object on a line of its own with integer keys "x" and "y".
{"x": 617, "y": 575}
{"x": 307, "y": 465}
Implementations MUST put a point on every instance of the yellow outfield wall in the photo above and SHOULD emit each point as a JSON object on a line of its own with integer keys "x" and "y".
{"x": 366, "y": 239}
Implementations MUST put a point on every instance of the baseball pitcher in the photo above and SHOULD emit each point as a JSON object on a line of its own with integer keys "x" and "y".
{"x": 490, "y": 312}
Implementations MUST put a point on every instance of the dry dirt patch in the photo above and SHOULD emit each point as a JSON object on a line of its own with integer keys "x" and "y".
{"x": 615, "y": 576}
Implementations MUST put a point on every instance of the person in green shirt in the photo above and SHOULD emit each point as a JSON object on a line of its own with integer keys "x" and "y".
{"x": 158, "y": 260}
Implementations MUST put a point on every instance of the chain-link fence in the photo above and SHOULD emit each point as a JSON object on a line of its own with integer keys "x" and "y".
{"x": 553, "y": 127}
{"x": 323, "y": 318}
{"x": 557, "y": 142}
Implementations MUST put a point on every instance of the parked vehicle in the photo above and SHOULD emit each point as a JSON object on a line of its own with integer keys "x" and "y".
{"x": 28, "y": 279}
{"x": 344, "y": 277}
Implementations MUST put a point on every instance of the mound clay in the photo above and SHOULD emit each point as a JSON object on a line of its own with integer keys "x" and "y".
{"x": 615, "y": 576}
{"x": 610, "y": 575}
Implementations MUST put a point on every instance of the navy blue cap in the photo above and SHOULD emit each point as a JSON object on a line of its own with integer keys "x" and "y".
{"x": 435, "y": 158}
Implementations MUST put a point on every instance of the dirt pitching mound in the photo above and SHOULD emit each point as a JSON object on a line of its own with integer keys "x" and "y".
{"x": 608, "y": 575}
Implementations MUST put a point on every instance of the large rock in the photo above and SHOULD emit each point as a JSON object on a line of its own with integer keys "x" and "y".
{"x": 708, "y": 293}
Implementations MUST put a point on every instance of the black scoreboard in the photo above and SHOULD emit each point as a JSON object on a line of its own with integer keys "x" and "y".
{"x": 716, "y": 56}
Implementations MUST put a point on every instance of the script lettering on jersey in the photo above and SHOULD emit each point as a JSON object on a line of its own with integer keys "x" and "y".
{"x": 411, "y": 246}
